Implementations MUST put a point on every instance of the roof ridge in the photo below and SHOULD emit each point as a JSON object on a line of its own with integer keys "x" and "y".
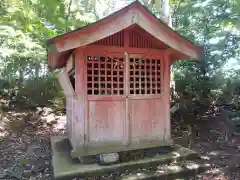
{"x": 111, "y": 14}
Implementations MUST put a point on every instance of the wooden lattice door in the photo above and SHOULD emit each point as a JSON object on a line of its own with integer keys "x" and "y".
{"x": 144, "y": 100}
{"x": 125, "y": 103}
{"x": 106, "y": 99}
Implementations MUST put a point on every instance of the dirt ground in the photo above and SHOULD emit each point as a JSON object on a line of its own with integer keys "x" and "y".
{"x": 222, "y": 155}
{"x": 26, "y": 155}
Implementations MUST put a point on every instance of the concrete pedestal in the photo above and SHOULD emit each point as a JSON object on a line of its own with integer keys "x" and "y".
{"x": 65, "y": 168}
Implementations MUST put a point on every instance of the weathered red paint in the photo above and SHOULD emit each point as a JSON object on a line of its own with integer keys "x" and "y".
{"x": 79, "y": 125}
{"x": 122, "y": 88}
{"x": 133, "y": 15}
{"x": 70, "y": 104}
{"x": 127, "y": 118}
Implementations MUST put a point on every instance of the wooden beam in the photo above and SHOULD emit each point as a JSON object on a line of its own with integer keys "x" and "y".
{"x": 89, "y": 35}
{"x": 125, "y": 18}
{"x": 158, "y": 30}
{"x": 99, "y": 49}
{"x": 166, "y": 96}
{"x": 80, "y": 119}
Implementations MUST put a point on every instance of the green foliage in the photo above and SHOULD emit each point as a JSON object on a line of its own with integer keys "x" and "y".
{"x": 4, "y": 84}
{"x": 39, "y": 91}
{"x": 25, "y": 25}
{"x": 211, "y": 24}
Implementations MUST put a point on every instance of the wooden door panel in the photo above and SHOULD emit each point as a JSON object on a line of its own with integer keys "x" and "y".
{"x": 106, "y": 122}
{"x": 106, "y": 99}
{"x": 146, "y": 109}
{"x": 147, "y": 119}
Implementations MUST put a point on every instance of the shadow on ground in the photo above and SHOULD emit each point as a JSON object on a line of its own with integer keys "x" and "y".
{"x": 25, "y": 143}
{"x": 26, "y": 154}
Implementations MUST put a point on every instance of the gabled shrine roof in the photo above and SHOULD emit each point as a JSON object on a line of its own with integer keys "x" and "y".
{"x": 135, "y": 13}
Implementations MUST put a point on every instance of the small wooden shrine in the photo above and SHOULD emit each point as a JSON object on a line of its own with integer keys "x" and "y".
{"x": 116, "y": 79}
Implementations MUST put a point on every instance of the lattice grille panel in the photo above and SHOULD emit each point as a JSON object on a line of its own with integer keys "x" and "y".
{"x": 105, "y": 75}
{"x": 145, "y": 76}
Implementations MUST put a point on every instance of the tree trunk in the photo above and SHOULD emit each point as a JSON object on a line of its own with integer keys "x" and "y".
{"x": 37, "y": 70}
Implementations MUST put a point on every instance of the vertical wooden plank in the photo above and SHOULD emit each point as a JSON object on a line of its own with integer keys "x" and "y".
{"x": 162, "y": 73}
{"x": 93, "y": 59}
{"x": 81, "y": 125}
{"x": 99, "y": 77}
{"x": 69, "y": 94}
{"x": 73, "y": 118}
{"x": 118, "y": 77}
{"x": 140, "y": 76}
{"x": 150, "y": 71}
{"x": 127, "y": 127}
{"x": 112, "y": 40}
{"x": 146, "y": 125}
{"x": 138, "y": 40}
{"x": 166, "y": 93}
{"x": 112, "y": 68}
{"x": 115, "y": 39}
{"x": 84, "y": 93}
{"x": 134, "y": 75}
{"x": 108, "y": 41}
{"x": 156, "y": 77}
{"x": 69, "y": 125}
{"x": 131, "y": 43}
{"x": 106, "y": 122}
{"x": 126, "y": 38}
{"x": 119, "y": 39}
{"x": 105, "y": 62}
{"x": 123, "y": 38}
{"x": 145, "y": 72}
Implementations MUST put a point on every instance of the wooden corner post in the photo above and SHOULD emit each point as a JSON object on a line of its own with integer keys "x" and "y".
{"x": 80, "y": 105}
{"x": 166, "y": 91}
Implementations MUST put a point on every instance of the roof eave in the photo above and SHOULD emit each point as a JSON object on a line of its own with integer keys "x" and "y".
{"x": 195, "y": 52}
{"x": 52, "y": 40}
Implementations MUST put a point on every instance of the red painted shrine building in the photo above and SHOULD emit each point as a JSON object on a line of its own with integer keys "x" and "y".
{"x": 116, "y": 79}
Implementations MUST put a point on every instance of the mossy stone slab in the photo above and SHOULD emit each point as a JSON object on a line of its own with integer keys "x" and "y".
{"x": 65, "y": 168}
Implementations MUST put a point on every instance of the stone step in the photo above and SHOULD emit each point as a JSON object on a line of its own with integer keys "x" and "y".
{"x": 177, "y": 170}
{"x": 64, "y": 168}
